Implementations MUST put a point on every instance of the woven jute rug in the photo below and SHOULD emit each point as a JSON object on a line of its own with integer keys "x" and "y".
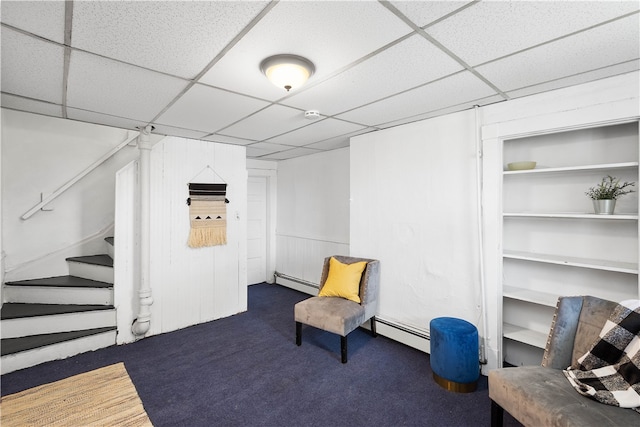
{"x": 104, "y": 397}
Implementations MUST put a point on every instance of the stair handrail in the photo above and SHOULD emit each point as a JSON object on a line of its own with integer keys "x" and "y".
{"x": 46, "y": 200}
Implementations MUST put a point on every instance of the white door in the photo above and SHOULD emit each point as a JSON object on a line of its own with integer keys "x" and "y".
{"x": 256, "y": 229}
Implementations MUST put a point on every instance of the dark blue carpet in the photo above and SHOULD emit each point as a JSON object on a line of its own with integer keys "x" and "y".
{"x": 247, "y": 370}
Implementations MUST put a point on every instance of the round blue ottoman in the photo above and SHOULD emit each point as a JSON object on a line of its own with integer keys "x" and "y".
{"x": 454, "y": 354}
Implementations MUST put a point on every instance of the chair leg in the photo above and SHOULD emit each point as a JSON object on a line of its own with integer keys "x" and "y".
{"x": 343, "y": 348}
{"x": 497, "y": 414}
{"x": 298, "y": 333}
{"x": 373, "y": 326}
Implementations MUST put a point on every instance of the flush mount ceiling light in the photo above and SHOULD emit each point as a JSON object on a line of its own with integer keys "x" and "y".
{"x": 287, "y": 71}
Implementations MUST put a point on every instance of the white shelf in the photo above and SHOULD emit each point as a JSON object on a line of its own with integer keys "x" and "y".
{"x": 523, "y": 335}
{"x": 527, "y": 295}
{"x": 608, "y": 166}
{"x": 571, "y": 215}
{"x": 538, "y": 218}
{"x": 597, "y": 264}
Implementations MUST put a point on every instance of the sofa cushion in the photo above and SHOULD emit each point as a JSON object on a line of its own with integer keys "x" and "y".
{"x": 538, "y": 396}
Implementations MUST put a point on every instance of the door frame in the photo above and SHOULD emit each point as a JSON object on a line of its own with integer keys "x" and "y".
{"x": 271, "y": 202}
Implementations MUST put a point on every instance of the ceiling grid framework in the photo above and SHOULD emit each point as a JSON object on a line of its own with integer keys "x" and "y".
{"x": 191, "y": 68}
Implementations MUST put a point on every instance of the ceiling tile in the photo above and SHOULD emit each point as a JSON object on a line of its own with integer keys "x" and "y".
{"x": 174, "y": 131}
{"x": 110, "y": 87}
{"x": 207, "y": 109}
{"x": 290, "y": 154}
{"x": 330, "y": 144}
{"x": 373, "y": 71}
{"x": 31, "y": 68}
{"x": 491, "y": 29}
{"x": 578, "y": 79}
{"x": 338, "y": 141}
{"x": 273, "y": 120}
{"x": 580, "y": 53}
{"x": 317, "y": 131}
{"x": 30, "y": 105}
{"x": 447, "y": 110}
{"x": 176, "y": 37}
{"x": 462, "y": 87}
{"x": 268, "y": 146}
{"x": 103, "y": 119}
{"x": 316, "y": 30}
{"x": 228, "y": 139}
{"x": 408, "y": 64}
{"x": 423, "y": 12}
{"x": 43, "y": 18}
{"x": 253, "y": 151}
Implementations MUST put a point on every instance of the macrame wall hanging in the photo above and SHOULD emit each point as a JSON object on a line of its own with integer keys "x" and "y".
{"x": 207, "y": 214}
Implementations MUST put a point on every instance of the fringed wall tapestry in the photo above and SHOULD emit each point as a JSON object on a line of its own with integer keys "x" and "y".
{"x": 207, "y": 214}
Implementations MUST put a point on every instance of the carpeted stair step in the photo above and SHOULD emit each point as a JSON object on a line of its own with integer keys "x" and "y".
{"x": 16, "y": 345}
{"x": 94, "y": 267}
{"x": 59, "y": 290}
{"x": 20, "y": 320}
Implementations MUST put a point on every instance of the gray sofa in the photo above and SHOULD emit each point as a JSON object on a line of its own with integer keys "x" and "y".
{"x": 541, "y": 395}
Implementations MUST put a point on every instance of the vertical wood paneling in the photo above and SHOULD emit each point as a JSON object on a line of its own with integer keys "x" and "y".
{"x": 302, "y": 258}
{"x": 189, "y": 285}
{"x": 313, "y": 213}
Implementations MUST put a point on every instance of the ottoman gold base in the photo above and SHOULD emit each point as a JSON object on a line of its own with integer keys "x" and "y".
{"x": 454, "y": 386}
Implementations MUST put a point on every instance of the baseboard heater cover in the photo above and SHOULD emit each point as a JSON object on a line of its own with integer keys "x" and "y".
{"x": 295, "y": 279}
{"x": 409, "y": 330}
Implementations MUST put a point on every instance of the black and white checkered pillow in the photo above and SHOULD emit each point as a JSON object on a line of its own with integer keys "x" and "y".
{"x": 610, "y": 371}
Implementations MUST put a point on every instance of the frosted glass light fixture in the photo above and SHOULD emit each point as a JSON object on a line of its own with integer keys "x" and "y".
{"x": 287, "y": 71}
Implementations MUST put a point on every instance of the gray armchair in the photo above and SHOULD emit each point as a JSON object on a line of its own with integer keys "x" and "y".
{"x": 338, "y": 315}
{"x": 541, "y": 395}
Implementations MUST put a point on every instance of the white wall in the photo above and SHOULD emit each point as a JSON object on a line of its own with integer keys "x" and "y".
{"x": 414, "y": 207}
{"x": 313, "y": 214}
{"x": 40, "y": 154}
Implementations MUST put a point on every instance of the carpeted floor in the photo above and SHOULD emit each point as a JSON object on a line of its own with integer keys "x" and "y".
{"x": 247, "y": 370}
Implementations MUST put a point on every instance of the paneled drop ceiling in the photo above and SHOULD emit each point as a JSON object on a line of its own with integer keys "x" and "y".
{"x": 191, "y": 68}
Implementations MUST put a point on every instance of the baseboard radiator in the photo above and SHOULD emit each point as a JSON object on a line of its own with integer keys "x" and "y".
{"x": 407, "y": 329}
{"x": 296, "y": 280}
{"x": 400, "y": 327}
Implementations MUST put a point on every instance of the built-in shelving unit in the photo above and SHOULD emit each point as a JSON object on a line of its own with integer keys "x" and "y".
{"x": 552, "y": 243}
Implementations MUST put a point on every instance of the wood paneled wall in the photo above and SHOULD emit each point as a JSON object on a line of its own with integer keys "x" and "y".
{"x": 192, "y": 286}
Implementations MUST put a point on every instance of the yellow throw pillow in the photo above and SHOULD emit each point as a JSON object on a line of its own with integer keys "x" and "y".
{"x": 343, "y": 280}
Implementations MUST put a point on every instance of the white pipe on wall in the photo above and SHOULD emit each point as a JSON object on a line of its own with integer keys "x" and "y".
{"x": 483, "y": 291}
{"x": 143, "y": 321}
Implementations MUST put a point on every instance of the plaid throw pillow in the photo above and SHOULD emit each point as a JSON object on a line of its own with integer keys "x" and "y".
{"x": 610, "y": 371}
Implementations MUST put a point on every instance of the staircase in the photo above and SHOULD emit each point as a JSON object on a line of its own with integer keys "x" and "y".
{"x": 57, "y": 317}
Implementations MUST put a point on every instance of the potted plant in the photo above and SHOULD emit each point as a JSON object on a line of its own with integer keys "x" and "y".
{"x": 604, "y": 195}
